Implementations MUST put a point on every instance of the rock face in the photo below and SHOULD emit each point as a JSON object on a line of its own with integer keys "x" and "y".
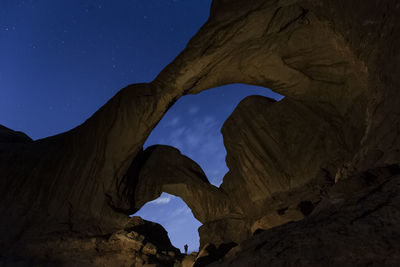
{"x": 142, "y": 243}
{"x": 9, "y": 136}
{"x": 337, "y": 64}
{"x": 359, "y": 231}
{"x": 166, "y": 170}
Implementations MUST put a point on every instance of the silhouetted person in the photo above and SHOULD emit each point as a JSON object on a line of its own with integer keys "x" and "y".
{"x": 186, "y": 248}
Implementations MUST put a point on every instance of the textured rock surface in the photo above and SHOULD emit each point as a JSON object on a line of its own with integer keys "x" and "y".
{"x": 210, "y": 253}
{"x": 360, "y": 231}
{"x": 335, "y": 61}
{"x": 189, "y": 260}
{"x": 141, "y": 243}
{"x": 166, "y": 170}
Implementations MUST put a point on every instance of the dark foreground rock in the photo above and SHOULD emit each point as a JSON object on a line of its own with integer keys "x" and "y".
{"x": 9, "y": 136}
{"x": 142, "y": 243}
{"x": 360, "y": 231}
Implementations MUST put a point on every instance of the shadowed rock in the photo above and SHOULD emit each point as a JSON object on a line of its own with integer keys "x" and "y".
{"x": 359, "y": 231}
{"x": 9, "y": 136}
{"x": 141, "y": 243}
{"x": 166, "y": 170}
{"x": 210, "y": 253}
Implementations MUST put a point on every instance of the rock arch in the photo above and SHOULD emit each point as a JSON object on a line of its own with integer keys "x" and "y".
{"x": 167, "y": 170}
{"x": 338, "y": 73}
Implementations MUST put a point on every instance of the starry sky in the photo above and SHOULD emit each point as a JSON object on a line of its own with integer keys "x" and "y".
{"x": 62, "y": 60}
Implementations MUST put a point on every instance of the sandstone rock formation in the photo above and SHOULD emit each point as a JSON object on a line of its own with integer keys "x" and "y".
{"x": 9, "y": 136}
{"x": 359, "y": 231}
{"x": 337, "y": 64}
{"x": 141, "y": 243}
{"x": 210, "y": 253}
{"x": 166, "y": 170}
{"x": 189, "y": 260}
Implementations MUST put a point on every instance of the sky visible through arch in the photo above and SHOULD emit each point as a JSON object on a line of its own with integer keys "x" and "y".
{"x": 62, "y": 60}
{"x": 193, "y": 126}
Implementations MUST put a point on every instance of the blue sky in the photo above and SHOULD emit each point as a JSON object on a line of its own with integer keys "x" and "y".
{"x": 62, "y": 60}
{"x": 193, "y": 126}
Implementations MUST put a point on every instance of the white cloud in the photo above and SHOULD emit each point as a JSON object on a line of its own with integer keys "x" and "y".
{"x": 179, "y": 211}
{"x": 199, "y": 138}
{"x": 161, "y": 200}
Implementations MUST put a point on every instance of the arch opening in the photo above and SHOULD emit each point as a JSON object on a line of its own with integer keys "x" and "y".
{"x": 193, "y": 126}
{"x": 194, "y": 122}
{"x": 176, "y": 217}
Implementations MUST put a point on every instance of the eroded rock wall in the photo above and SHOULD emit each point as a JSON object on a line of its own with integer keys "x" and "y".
{"x": 359, "y": 231}
{"x": 167, "y": 170}
{"x": 141, "y": 243}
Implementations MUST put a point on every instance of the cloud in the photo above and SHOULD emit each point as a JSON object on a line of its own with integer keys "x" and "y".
{"x": 175, "y": 138}
{"x": 202, "y": 131}
{"x": 193, "y": 140}
{"x": 193, "y": 110}
{"x": 179, "y": 211}
{"x": 161, "y": 200}
{"x": 209, "y": 121}
{"x": 173, "y": 122}
{"x": 199, "y": 138}
{"x": 178, "y": 132}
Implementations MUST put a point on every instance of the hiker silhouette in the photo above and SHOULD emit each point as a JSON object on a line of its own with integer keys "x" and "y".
{"x": 186, "y": 248}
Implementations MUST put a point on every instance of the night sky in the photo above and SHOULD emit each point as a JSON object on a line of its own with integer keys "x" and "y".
{"x": 62, "y": 60}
